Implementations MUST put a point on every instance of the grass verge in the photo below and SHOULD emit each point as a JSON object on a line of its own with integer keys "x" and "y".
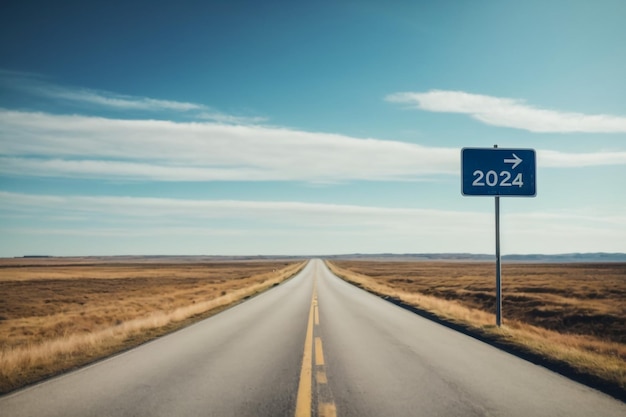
{"x": 597, "y": 363}
{"x": 117, "y": 317}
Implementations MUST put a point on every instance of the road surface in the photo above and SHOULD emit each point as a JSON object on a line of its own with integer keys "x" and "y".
{"x": 313, "y": 346}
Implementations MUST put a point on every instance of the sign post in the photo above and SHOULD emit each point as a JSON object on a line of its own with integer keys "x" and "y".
{"x": 496, "y": 172}
{"x": 498, "y": 266}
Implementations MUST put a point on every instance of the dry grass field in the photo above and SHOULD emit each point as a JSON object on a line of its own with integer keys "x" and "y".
{"x": 574, "y": 313}
{"x": 56, "y": 314}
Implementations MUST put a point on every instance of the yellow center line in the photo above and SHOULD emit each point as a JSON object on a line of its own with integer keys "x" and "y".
{"x": 325, "y": 404}
{"x": 319, "y": 354}
{"x": 317, "y": 316}
{"x": 327, "y": 410}
{"x": 321, "y": 377}
{"x": 303, "y": 401}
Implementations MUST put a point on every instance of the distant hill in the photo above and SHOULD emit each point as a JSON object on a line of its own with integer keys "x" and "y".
{"x": 570, "y": 257}
{"x": 560, "y": 258}
{"x": 390, "y": 257}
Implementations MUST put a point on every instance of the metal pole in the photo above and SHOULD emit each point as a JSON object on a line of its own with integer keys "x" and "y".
{"x": 498, "y": 267}
{"x": 498, "y": 264}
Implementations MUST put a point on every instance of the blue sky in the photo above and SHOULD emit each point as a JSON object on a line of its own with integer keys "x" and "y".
{"x": 242, "y": 128}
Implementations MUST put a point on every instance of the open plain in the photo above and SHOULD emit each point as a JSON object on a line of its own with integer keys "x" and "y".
{"x": 313, "y": 346}
{"x": 59, "y": 313}
{"x": 572, "y": 313}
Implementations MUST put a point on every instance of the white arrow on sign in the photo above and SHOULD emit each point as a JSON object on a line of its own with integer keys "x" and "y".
{"x": 515, "y": 161}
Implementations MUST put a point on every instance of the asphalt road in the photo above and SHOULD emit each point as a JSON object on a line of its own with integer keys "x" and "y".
{"x": 312, "y": 346}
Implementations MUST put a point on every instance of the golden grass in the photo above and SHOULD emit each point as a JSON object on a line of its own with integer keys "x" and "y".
{"x": 54, "y": 316}
{"x": 589, "y": 353}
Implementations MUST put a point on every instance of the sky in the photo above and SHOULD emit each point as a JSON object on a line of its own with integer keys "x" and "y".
{"x": 307, "y": 128}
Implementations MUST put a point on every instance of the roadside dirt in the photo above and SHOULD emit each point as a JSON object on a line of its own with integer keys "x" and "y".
{"x": 588, "y": 299}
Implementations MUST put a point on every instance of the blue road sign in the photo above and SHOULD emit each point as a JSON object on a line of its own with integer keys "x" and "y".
{"x": 498, "y": 172}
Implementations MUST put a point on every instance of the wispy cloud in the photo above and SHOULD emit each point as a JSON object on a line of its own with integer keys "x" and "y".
{"x": 40, "y": 86}
{"x": 118, "y": 101}
{"x": 199, "y": 212}
{"x": 555, "y": 159}
{"x": 186, "y": 217}
{"x": 230, "y": 119}
{"x": 45, "y": 144}
{"x": 513, "y": 113}
{"x": 41, "y": 144}
{"x": 36, "y": 85}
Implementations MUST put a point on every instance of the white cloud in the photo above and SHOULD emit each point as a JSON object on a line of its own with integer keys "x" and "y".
{"x": 108, "y": 169}
{"x": 164, "y": 207}
{"x": 557, "y": 159}
{"x": 45, "y": 144}
{"x": 79, "y": 207}
{"x": 513, "y": 113}
{"x": 41, "y": 144}
{"x": 117, "y": 101}
{"x": 37, "y": 85}
{"x": 230, "y": 119}
{"x": 174, "y": 213}
{"x": 126, "y": 233}
{"x": 333, "y": 227}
